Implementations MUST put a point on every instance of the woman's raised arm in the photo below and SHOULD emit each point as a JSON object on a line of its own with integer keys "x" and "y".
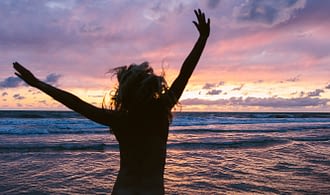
{"x": 71, "y": 101}
{"x": 192, "y": 59}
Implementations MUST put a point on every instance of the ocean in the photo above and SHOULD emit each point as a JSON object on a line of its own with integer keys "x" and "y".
{"x": 61, "y": 152}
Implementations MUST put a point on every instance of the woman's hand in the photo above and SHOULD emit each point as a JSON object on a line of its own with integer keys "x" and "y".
{"x": 202, "y": 26}
{"x": 25, "y": 74}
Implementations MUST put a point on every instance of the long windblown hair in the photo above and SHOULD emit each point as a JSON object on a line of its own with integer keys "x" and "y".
{"x": 138, "y": 88}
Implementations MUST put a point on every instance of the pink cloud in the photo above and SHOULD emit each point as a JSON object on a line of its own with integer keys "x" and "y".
{"x": 274, "y": 102}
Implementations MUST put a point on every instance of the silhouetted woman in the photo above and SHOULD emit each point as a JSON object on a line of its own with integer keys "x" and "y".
{"x": 139, "y": 116}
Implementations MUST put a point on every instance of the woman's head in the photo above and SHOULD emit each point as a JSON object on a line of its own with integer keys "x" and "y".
{"x": 138, "y": 87}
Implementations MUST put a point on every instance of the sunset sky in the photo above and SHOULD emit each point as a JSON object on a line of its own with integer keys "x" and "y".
{"x": 269, "y": 55}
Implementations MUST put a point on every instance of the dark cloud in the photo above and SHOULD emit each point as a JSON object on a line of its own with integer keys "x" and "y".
{"x": 4, "y": 94}
{"x": 214, "y": 92}
{"x": 10, "y": 82}
{"x": 13, "y": 82}
{"x": 294, "y": 93}
{"x": 328, "y": 86}
{"x": 302, "y": 94}
{"x": 267, "y": 12}
{"x": 283, "y": 102}
{"x": 52, "y": 78}
{"x": 18, "y": 97}
{"x": 257, "y": 12}
{"x": 275, "y": 102}
{"x": 43, "y": 102}
{"x": 36, "y": 92}
{"x": 238, "y": 88}
{"x": 315, "y": 93}
{"x": 160, "y": 10}
{"x": 90, "y": 28}
{"x": 294, "y": 79}
{"x": 213, "y": 85}
{"x": 221, "y": 83}
{"x": 212, "y": 3}
{"x": 259, "y": 81}
{"x": 209, "y": 85}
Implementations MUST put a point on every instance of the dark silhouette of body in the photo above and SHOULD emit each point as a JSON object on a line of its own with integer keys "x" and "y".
{"x": 139, "y": 122}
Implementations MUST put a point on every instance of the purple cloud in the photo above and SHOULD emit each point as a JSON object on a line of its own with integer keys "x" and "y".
{"x": 213, "y": 85}
{"x": 294, "y": 79}
{"x": 315, "y": 10}
{"x": 212, "y": 3}
{"x": 275, "y": 102}
{"x": 283, "y": 102}
{"x": 18, "y": 97}
{"x": 315, "y": 93}
{"x": 13, "y": 82}
{"x": 209, "y": 85}
{"x": 238, "y": 88}
{"x": 267, "y": 12}
{"x": 43, "y": 102}
{"x": 52, "y": 78}
{"x": 10, "y": 82}
{"x": 214, "y": 92}
{"x": 221, "y": 83}
{"x": 90, "y": 28}
{"x": 328, "y": 86}
{"x": 259, "y": 81}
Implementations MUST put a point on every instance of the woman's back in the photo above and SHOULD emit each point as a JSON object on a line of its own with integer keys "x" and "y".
{"x": 142, "y": 140}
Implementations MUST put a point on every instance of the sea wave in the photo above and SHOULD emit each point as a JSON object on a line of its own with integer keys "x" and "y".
{"x": 83, "y": 126}
{"x": 182, "y": 115}
{"x": 252, "y": 143}
{"x": 240, "y": 120}
{"x": 44, "y": 147}
{"x": 34, "y": 114}
{"x": 101, "y": 146}
{"x": 237, "y": 144}
{"x": 51, "y": 131}
{"x": 204, "y": 129}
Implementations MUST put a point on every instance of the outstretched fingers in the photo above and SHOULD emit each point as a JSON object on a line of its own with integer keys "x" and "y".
{"x": 19, "y": 68}
{"x": 202, "y": 25}
{"x": 24, "y": 74}
{"x": 197, "y": 26}
{"x": 200, "y": 16}
{"x": 16, "y": 65}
